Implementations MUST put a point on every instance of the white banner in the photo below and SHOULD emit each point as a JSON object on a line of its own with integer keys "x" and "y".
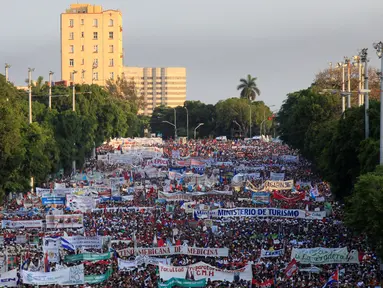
{"x": 202, "y": 270}
{"x": 64, "y": 221}
{"x": 174, "y": 196}
{"x": 277, "y": 176}
{"x": 62, "y": 191}
{"x": 8, "y": 224}
{"x": 80, "y": 203}
{"x": 51, "y": 246}
{"x": 269, "y": 254}
{"x": 266, "y": 212}
{"x": 173, "y": 250}
{"x": 214, "y": 192}
{"x": 321, "y": 255}
{"x": 85, "y": 242}
{"x": 140, "y": 260}
{"x": 279, "y": 185}
{"x": 69, "y": 276}
{"x": 160, "y": 162}
{"x": 9, "y": 279}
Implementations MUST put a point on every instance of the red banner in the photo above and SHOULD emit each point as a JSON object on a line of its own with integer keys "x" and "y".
{"x": 278, "y": 196}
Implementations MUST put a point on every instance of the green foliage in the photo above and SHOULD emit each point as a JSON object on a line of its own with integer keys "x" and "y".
{"x": 365, "y": 208}
{"x": 58, "y": 136}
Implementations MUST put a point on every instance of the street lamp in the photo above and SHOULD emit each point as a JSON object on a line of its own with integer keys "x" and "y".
{"x": 175, "y": 128}
{"x": 341, "y": 65}
{"x": 73, "y": 92}
{"x": 379, "y": 51}
{"x": 347, "y": 62}
{"x": 363, "y": 58}
{"x": 195, "y": 129}
{"x": 30, "y": 70}
{"x": 7, "y": 66}
{"x": 187, "y": 122}
{"x": 250, "y": 121}
{"x": 50, "y": 90}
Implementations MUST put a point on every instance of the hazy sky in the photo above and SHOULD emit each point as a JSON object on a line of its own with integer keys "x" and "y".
{"x": 282, "y": 42}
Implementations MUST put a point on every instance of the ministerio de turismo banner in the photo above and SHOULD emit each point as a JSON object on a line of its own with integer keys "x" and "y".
{"x": 321, "y": 255}
{"x": 202, "y": 270}
{"x": 266, "y": 212}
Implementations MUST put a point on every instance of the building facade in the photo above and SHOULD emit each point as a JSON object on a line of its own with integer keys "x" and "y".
{"x": 91, "y": 44}
{"x": 158, "y": 86}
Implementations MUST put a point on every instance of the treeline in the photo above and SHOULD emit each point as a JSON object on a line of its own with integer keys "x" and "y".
{"x": 312, "y": 121}
{"x": 230, "y": 117}
{"x": 59, "y": 135}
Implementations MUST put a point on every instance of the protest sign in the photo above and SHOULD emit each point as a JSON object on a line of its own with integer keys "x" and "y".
{"x": 260, "y": 197}
{"x": 278, "y": 185}
{"x": 202, "y": 270}
{"x": 322, "y": 255}
{"x": 20, "y": 224}
{"x": 49, "y": 200}
{"x": 64, "y": 221}
{"x": 273, "y": 253}
{"x": 51, "y": 247}
{"x": 69, "y": 276}
{"x": 266, "y": 212}
{"x": 9, "y": 279}
{"x": 85, "y": 242}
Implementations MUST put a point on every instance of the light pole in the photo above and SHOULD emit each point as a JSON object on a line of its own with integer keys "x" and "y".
{"x": 50, "y": 89}
{"x": 250, "y": 121}
{"x": 7, "y": 66}
{"x": 195, "y": 129}
{"x": 30, "y": 70}
{"x": 358, "y": 64}
{"x": 347, "y": 62}
{"x": 363, "y": 58}
{"x": 187, "y": 122}
{"x": 379, "y": 51}
{"x": 240, "y": 128}
{"x": 341, "y": 65}
{"x": 175, "y": 128}
{"x": 73, "y": 92}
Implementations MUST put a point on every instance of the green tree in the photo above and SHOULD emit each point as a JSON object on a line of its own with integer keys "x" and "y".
{"x": 248, "y": 87}
{"x": 364, "y": 211}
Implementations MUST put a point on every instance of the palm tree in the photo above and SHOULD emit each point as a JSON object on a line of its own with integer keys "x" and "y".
{"x": 248, "y": 87}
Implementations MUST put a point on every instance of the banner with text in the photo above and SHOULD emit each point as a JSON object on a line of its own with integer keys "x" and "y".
{"x": 51, "y": 246}
{"x": 9, "y": 224}
{"x": 69, "y": 276}
{"x": 9, "y": 279}
{"x": 182, "y": 283}
{"x": 277, "y": 176}
{"x": 267, "y": 212}
{"x": 173, "y": 250}
{"x": 64, "y": 221}
{"x": 87, "y": 257}
{"x": 278, "y": 185}
{"x": 269, "y": 254}
{"x": 321, "y": 255}
{"x": 202, "y": 270}
{"x": 260, "y": 197}
{"x": 85, "y": 242}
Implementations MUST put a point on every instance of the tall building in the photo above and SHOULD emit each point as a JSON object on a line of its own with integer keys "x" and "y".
{"x": 91, "y": 44}
{"x": 158, "y": 86}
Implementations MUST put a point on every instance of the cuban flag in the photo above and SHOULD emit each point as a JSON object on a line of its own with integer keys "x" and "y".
{"x": 67, "y": 245}
{"x": 333, "y": 279}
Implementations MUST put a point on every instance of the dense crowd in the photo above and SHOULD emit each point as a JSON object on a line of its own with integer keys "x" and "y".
{"x": 171, "y": 203}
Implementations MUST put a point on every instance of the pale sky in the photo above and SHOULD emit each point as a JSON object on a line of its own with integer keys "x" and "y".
{"x": 282, "y": 42}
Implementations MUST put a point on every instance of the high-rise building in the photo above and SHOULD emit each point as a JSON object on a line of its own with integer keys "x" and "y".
{"x": 158, "y": 86}
{"x": 91, "y": 44}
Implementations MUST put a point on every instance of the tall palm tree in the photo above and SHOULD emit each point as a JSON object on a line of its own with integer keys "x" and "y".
{"x": 248, "y": 87}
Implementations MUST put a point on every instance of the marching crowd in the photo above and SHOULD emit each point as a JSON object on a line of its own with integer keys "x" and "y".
{"x": 175, "y": 207}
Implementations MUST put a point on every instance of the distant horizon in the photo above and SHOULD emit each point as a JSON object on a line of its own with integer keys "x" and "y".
{"x": 217, "y": 45}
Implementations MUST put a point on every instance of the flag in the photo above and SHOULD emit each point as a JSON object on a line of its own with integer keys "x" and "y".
{"x": 291, "y": 269}
{"x": 67, "y": 245}
{"x": 333, "y": 278}
{"x": 46, "y": 263}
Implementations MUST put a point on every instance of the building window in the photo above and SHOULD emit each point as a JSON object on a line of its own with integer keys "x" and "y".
{"x": 83, "y": 74}
{"x": 82, "y": 34}
{"x": 95, "y": 35}
{"x": 95, "y": 62}
{"x": 71, "y": 22}
{"x": 111, "y": 75}
{"x": 82, "y": 61}
{"x": 110, "y": 35}
{"x": 111, "y": 48}
{"x": 95, "y": 23}
{"x": 95, "y": 75}
{"x": 71, "y": 48}
{"x": 95, "y": 48}
{"x": 71, "y": 62}
{"x": 110, "y": 22}
{"x": 71, "y": 36}
{"x": 82, "y": 48}
{"x": 111, "y": 62}
{"x": 82, "y": 21}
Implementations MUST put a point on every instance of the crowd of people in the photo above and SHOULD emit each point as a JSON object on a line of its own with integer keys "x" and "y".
{"x": 238, "y": 213}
